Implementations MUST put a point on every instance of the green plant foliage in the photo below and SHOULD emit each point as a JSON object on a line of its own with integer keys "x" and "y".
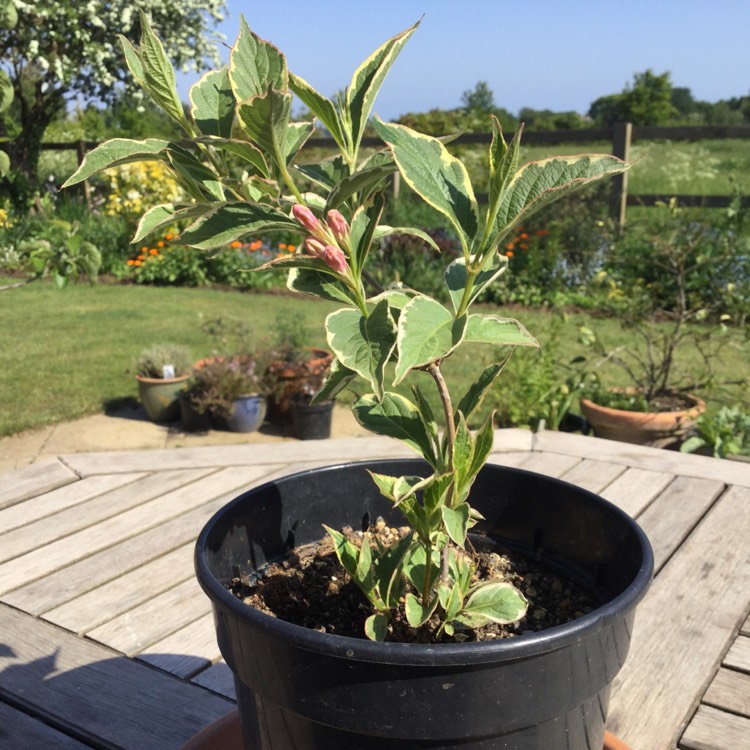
{"x": 160, "y": 358}
{"x": 385, "y": 337}
{"x": 725, "y": 433}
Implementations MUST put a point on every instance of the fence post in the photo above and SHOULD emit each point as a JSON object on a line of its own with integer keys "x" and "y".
{"x": 85, "y": 187}
{"x": 621, "y": 135}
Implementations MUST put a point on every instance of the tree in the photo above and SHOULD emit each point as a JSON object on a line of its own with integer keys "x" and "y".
{"x": 479, "y": 98}
{"x": 647, "y": 102}
{"x": 61, "y": 49}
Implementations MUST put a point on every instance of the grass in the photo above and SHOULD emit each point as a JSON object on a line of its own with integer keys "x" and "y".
{"x": 71, "y": 353}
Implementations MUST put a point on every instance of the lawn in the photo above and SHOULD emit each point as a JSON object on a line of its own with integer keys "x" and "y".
{"x": 71, "y": 353}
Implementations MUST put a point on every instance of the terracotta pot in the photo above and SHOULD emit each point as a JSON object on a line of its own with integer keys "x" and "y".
{"x": 291, "y": 379}
{"x": 226, "y": 734}
{"x": 656, "y": 429}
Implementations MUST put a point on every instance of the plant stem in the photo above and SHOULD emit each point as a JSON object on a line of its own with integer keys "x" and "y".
{"x": 445, "y": 398}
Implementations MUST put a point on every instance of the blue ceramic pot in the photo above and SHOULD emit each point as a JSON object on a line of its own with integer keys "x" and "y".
{"x": 248, "y": 414}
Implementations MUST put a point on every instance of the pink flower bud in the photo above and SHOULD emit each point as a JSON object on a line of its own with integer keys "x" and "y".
{"x": 335, "y": 258}
{"x": 337, "y": 224}
{"x": 306, "y": 218}
{"x": 314, "y": 247}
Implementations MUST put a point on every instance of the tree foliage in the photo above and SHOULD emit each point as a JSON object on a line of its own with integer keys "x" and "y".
{"x": 648, "y": 101}
{"x": 61, "y": 49}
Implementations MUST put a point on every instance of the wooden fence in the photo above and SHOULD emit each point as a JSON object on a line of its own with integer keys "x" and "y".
{"x": 621, "y": 137}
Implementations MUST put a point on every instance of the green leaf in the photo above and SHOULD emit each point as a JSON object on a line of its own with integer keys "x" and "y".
{"x": 503, "y": 162}
{"x": 416, "y": 614}
{"x": 439, "y": 178}
{"x": 336, "y": 379}
{"x": 484, "y": 439}
{"x": 255, "y": 65}
{"x": 158, "y": 74}
{"x": 415, "y": 566}
{"x": 376, "y": 627}
{"x": 347, "y": 553}
{"x": 386, "y": 231}
{"x": 427, "y": 332}
{"x": 319, "y": 284}
{"x": 4, "y": 163}
{"x": 202, "y": 181}
{"x": 322, "y": 108}
{"x": 396, "y": 417}
{"x": 118, "y": 151}
{"x": 388, "y": 576}
{"x": 297, "y": 134}
{"x": 327, "y": 173}
{"x": 492, "y": 329}
{"x": 399, "y": 488}
{"x": 244, "y": 149}
{"x": 228, "y": 222}
{"x": 132, "y": 60}
{"x": 363, "y": 225}
{"x": 456, "y": 278}
{"x": 265, "y": 119}
{"x": 363, "y": 181}
{"x": 213, "y": 103}
{"x": 538, "y": 183}
{"x": 362, "y": 344}
{"x": 493, "y": 602}
{"x": 472, "y": 399}
{"x": 456, "y": 522}
{"x": 367, "y": 80}
{"x": 164, "y": 216}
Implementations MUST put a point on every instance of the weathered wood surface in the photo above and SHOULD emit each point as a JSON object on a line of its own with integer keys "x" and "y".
{"x": 107, "y": 641}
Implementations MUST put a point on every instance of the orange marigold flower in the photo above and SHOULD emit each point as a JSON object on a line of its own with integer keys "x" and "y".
{"x": 144, "y": 249}
{"x": 137, "y": 263}
{"x": 510, "y": 245}
{"x": 160, "y": 243}
{"x": 524, "y": 246}
{"x": 541, "y": 232}
{"x": 131, "y": 262}
{"x": 153, "y": 251}
{"x": 290, "y": 248}
{"x": 236, "y": 244}
{"x": 282, "y": 245}
{"x": 256, "y": 245}
{"x": 169, "y": 237}
{"x": 524, "y": 236}
{"x": 509, "y": 253}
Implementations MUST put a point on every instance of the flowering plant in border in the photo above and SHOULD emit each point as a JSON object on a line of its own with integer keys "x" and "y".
{"x": 382, "y": 335}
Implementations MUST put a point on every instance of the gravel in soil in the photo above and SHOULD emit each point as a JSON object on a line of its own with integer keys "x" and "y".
{"x": 310, "y": 588}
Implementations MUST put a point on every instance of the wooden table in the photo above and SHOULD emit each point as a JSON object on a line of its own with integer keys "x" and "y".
{"x": 106, "y": 640}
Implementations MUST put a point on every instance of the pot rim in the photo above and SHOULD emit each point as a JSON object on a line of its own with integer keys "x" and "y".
{"x": 450, "y": 654}
{"x": 175, "y": 379}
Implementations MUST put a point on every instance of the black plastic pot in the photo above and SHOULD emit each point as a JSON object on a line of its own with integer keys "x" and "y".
{"x": 304, "y": 690}
{"x": 311, "y": 421}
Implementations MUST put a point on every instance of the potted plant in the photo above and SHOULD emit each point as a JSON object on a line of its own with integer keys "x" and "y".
{"x": 162, "y": 372}
{"x": 408, "y": 537}
{"x": 296, "y": 369}
{"x": 725, "y": 434}
{"x": 671, "y": 286}
{"x": 232, "y": 391}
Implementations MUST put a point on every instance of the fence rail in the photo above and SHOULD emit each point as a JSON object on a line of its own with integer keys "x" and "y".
{"x": 621, "y": 136}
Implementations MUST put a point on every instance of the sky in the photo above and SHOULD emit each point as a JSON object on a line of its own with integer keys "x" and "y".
{"x": 544, "y": 54}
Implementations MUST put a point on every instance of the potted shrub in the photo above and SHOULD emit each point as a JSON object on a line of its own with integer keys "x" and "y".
{"x": 162, "y": 372}
{"x": 296, "y": 370}
{"x": 232, "y": 391}
{"x": 430, "y": 664}
{"x": 662, "y": 293}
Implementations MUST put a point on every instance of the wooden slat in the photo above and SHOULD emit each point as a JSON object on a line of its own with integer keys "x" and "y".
{"x": 332, "y": 451}
{"x": 113, "y": 598}
{"x": 187, "y": 651}
{"x": 34, "y": 480}
{"x": 18, "y": 731}
{"x": 217, "y": 678}
{"x": 682, "y": 626}
{"x": 738, "y": 656}
{"x": 67, "y": 522}
{"x": 672, "y": 516}
{"x": 549, "y": 464}
{"x": 64, "y": 497}
{"x": 712, "y": 729}
{"x": 65, "y": 584}
{"x": 155, "y": 619}
{"x": 730, "y": 691}
{"x": 655, "y": 459}
{"x": 109, "y": 699}
{"x": 50, "y": 557}
{"x": 592, "y": 475}
{"x": 745, "y": 629}
{"x": 634, "y": 489}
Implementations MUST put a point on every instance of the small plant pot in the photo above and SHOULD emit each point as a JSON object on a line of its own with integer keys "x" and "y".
{"x": 248, "y": 414}
{"x": 309, "y": 690}
{"x": 291, "y": 379}
{"x": 160, "y": 396}
{"x": 311, "y": 421}
{"x": 192, "y": 420}
{"x": 655, "y": 429}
